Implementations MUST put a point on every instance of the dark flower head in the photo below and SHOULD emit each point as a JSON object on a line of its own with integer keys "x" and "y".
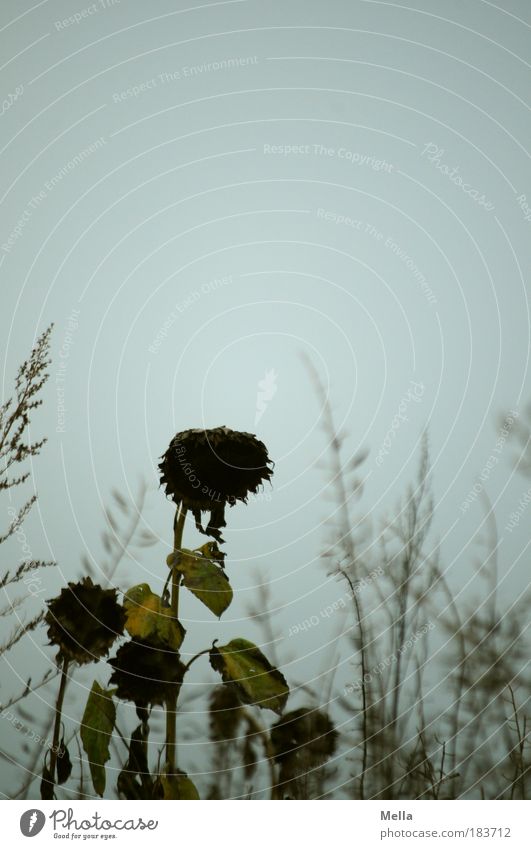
{"x": 84, "y": 621}
{"x": 302, "y": 741}
{"x": 206, "y": 469}
{"x": 145, "y": 674}
{"x": 305, "y": 730}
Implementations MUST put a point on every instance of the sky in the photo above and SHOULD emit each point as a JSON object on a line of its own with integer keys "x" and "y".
{"x": 206, "y": 197}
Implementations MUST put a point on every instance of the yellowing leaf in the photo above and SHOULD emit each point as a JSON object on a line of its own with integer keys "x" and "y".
{"x": 205, "y": 578}
{"x": 177, "y": 786}
{"x": 96, "y": 729}
{"x": 211, "y": 550}
{"x": 147, "y": 618}
{"x": 243, "y": 665}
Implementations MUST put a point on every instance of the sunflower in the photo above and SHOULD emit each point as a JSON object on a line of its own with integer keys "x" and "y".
{"x": 84, "y": 620}
{"x": 203, "y": 470}
{"x": 307, "y": 731}
{"x": 146, "y": 674}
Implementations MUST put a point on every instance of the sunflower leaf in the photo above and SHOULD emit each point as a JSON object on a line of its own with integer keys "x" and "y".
{"x": 205, "y": 579}
{"x": 242, "y": 665}
{"x": 64, "y": 764}
{"x": 148, "y": 618}
{"x": 96, "y": 729}
{"x": 177, "y": 786}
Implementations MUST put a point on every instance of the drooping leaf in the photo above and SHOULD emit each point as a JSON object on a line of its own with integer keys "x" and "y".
{"x": 243, "y": 665}
{"x": 96, "y": 729}
{"x": 135, "y": 781}
{"x": 138, "y": 752}
{"x": 128, "y": 785}
{"x": 64, "y": 764}
{"x": 148, "y": 618}
{"x": 205, "y": 578}
{"x": 47, "y": 784}
{"x": 177, "y": 786}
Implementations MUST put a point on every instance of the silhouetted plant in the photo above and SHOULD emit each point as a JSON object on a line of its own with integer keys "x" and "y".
{"x": 473, "y": 747}
{"x": 216, "y": 468}
{"x": 83, "y": 621}
{"x": 400, "y": 748}
{"x": 302, "y": 741}
{"x": 15, "y": 449}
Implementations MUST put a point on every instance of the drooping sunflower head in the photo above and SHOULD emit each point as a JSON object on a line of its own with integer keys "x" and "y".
{"x": 146, "y": 674}
{"x": 206, "y": 469}
{"x": 84, "y": 620}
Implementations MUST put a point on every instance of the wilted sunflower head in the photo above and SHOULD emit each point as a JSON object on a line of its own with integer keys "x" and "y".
{"x": 305, "y": 731}
{"x": 146, "y": 674}
{"x": 84, "y": 620}
{"x": 206, "y": 469}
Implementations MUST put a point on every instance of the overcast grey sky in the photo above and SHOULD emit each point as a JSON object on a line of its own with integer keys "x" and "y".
{"x": 199, "y": 193}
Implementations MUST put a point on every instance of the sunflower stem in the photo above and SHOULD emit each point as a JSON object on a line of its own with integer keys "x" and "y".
{"x": 57, "y": 724}
{"x": 261, "y": 732}
{"x": 176, "y": 575}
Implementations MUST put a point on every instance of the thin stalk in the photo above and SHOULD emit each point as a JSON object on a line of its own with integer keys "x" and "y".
{"x": 57, "y": 724}
{"x": 199, "y": 654}
{"x": 171, "y": 706}
{"x": 346, "y": 543}
{"x": 400, "y": 635}
{"x": 519, "y": 750}
{"x": 257, "y": 729}
{"x": 365, "y": 706}
{"x": 461, "y": 676}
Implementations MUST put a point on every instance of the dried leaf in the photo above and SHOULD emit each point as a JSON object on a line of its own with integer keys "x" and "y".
{"x": 64, "y": 764}
{"x": 97, "y": 726}
{"x": 243, "y": 665}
